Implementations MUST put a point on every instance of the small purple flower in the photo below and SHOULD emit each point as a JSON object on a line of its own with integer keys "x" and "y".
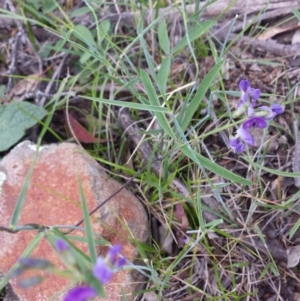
{"x": 82, "y": 293}
{"x": 102, "y": 271}
{"x": 243, "y": 135}
{"x": 277, "y": 108}
{"x": 61, "y": 245}
{"x": 237, "y": 145}
{"x": 247, "y": 104}
{"x": 269, "y": 113}
{"x": 247, "y": 91}
{"x": 104, "y": 267}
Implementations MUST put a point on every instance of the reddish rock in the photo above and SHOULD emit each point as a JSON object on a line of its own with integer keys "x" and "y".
{"x": 53, "y": 198}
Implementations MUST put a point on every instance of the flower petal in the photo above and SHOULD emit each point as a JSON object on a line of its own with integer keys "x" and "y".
{"x": 112, "y": 254}
{"x": 266, "y": 112}
{"x": 245, "y": 135}
{"x": 82, "y": 293}
{"x": 254, "y": 122}
{"x": 61, "y": 245}
{"x": 244, "y": 85}
{"x": 237, "y": 145}
{"x": 101, "y": 271}
{"x": 121, "y": 262}
{"x": 277, "y": 108}
{"x": 255, "y": 94}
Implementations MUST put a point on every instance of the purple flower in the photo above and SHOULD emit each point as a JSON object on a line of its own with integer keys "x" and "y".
{"x": 243, "y": 135}
{"x": 277, "y": 108}
{"x": 237, "y": 145}
{"x": 247, "y": 104}
{"x": 82, "y": 293}
{"x": 247, "y": 91}
{"x": 269, "y": 113}
{"x": 61, "y": 245}
{"x": 102, "y": 271}
{"x": 104, "y": 267}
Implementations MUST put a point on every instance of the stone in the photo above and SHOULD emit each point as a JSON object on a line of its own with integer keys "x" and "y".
{"x": 52, "y": 199}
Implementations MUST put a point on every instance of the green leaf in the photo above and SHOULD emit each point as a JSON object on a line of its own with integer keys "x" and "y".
{"x": 163, "y": 74}
{"x": 213, "y": 167}
{"x": 126, "y": 104}
{"x": 204, "y": 86}
{"x": 79, "y": 11}
{"x": 163, "y": 37}
{"x": 15, "y": 119}
{"x": 161, "y": 118}
{"x": 193, "y": 34}
{"x": 296, "y": 12}
{"x": 88, "y": 226}
{"x": 84, "y": 34}
{"x": 294, "y": 229}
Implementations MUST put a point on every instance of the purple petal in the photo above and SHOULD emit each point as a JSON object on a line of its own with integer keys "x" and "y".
{"x": 244, "y": 98}
{"x": 101, "y": 271}
{"x": 237, "y": 145}
{"x": 82, "y": 293}
{"x": 277, "y": 108}
{"x": 61, "y": 245}
{"x": 254, "y": 122}
{"x": 245, "y": 135}
{"x": 255, "y": 94}
{"x": 250, "y": 111}
{"x": 112, "y": 254}
{"x": 121, "y": 262}
{"x": 244, "y": 85}
{"x": 269, "y": 114}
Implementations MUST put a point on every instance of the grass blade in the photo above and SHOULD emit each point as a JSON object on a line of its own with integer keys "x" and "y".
{"x": 204, "y": 86}
{"x": 161, "y": 118}
{"x": 213, "y": 167}
{"x": 88, "y": 225}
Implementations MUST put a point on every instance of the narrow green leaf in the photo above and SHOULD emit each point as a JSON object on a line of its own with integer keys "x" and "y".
{"x": 22, "y": 196}
{"x": 203, "y": 87}
{"x": 294, "y": 229}
{"x": 163, "y": 37}
{"x": 272, "y": 171}
{"x": 131, "y": 105}
{"x": 213, "y": 167}
{"x": 163, "y": 74}
{"x": 161, "y": 118}
{"x": 88, "y": 226}
{"x": 193, "y": 34}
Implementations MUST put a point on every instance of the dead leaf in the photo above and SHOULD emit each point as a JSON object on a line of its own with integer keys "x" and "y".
{"x": 273, "y": 31}
{"x": 180, "y": 215}
{"x": 77, "y": 131}
{"x": 24, "y": 87}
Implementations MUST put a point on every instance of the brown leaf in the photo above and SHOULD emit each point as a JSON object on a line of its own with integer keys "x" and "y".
{"x": 273, "y": 31}
{"x": 24, "y": 87}
{"x": 180, "y": 214}
{"x": 77, "y": 131}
